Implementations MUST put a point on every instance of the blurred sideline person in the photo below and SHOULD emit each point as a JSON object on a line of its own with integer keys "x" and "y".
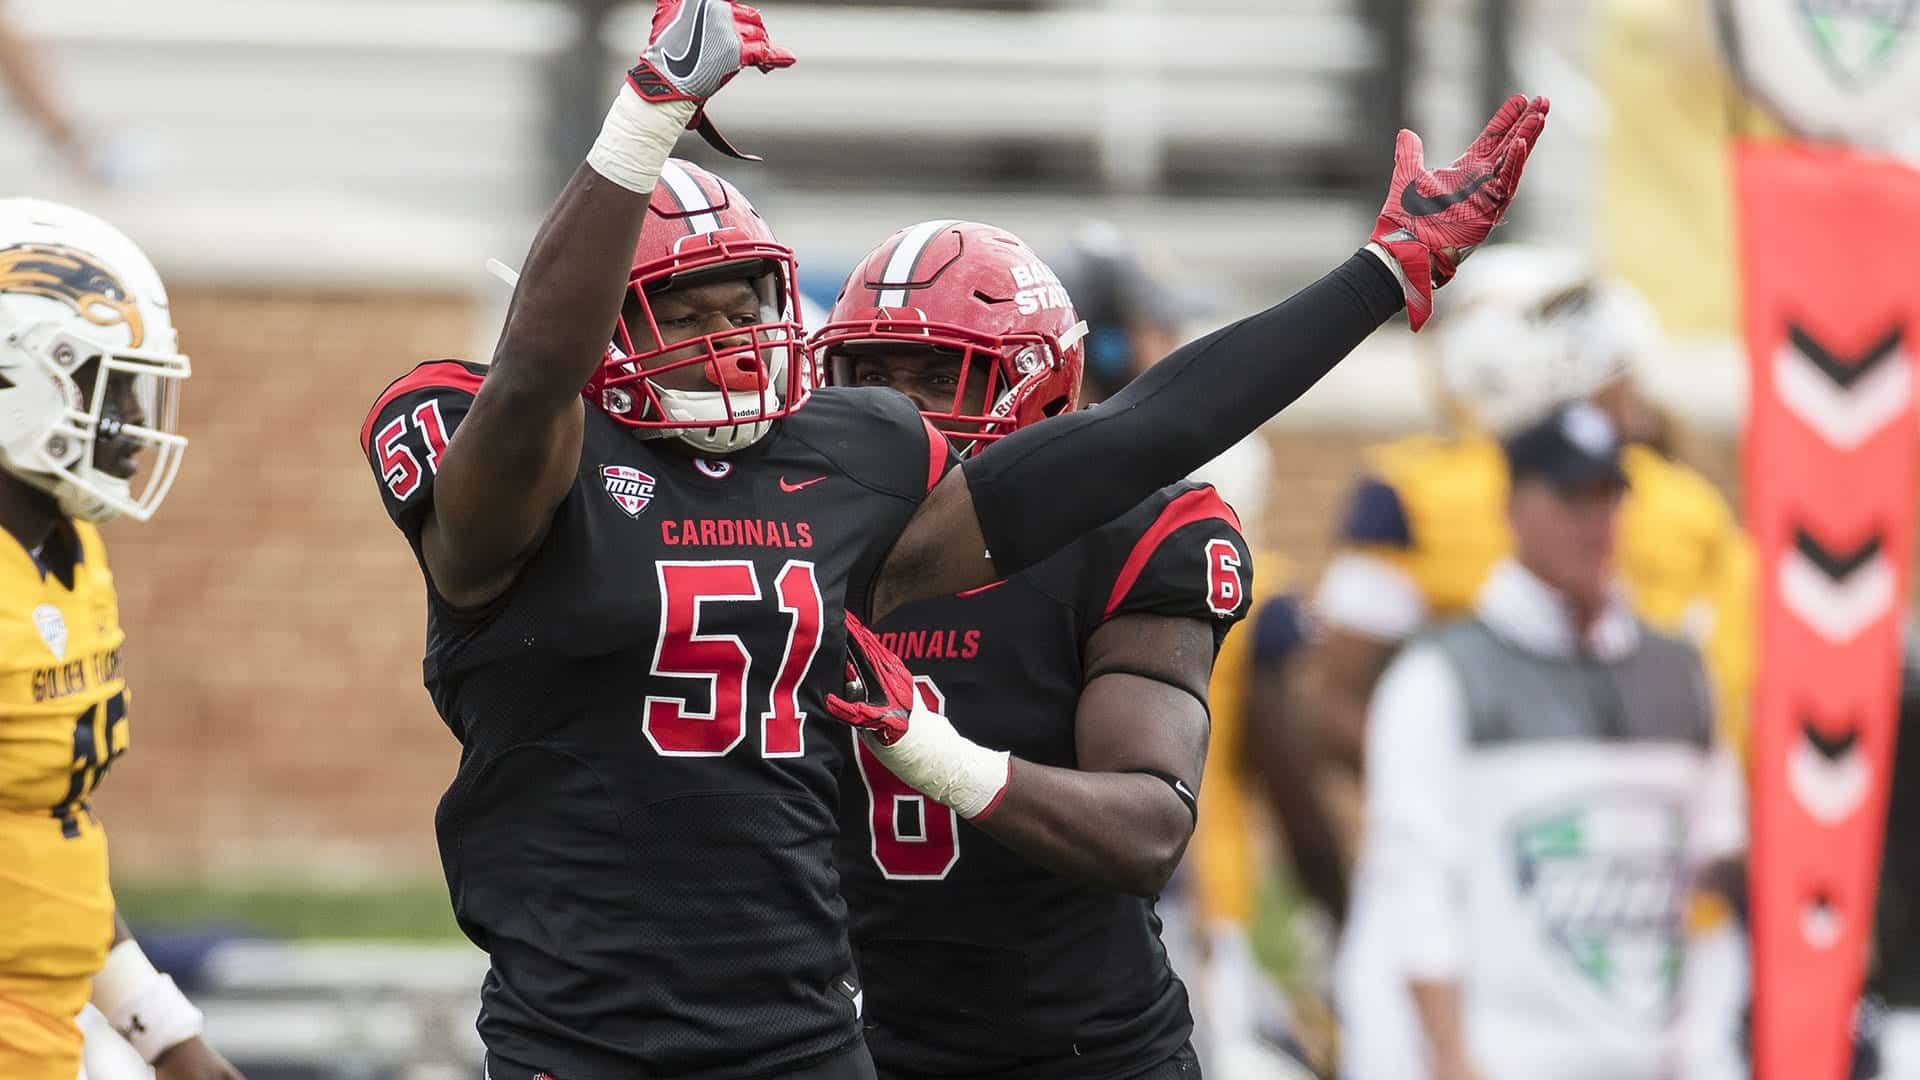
{"x": 89, "y": 377}
{"x": 30, "y": 87}
{"x": 1134, "y": 315}
{"x": 1543, "y": 790}
{"x": 1895, "y": 975}
{"x": 1423, "y": 526}
{"x": 1243, "y": 1025}
{"x": 1090, "y": 668}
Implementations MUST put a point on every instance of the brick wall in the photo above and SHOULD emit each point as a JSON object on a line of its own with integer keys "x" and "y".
{"x": 275, "y": 618}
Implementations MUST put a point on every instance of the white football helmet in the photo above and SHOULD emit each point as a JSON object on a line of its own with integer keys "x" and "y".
{"x": 1535, "y": 327}
{"x": 90, "y": 368}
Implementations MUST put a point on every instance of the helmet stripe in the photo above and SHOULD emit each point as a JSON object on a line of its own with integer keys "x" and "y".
{"x": 691, "y": 196}
{"x": 900, "y": 265}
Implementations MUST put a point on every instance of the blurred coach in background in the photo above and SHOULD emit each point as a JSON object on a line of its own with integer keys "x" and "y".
{"x": 1543, "y": 788}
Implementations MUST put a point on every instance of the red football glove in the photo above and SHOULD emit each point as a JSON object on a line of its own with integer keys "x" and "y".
{"x": 1434, "y": 219}
{"x": 881, "y": 686}
{"x": 696, "y": 48}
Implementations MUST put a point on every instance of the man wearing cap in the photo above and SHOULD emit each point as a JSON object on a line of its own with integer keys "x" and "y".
{"x": 1543, "y": 787}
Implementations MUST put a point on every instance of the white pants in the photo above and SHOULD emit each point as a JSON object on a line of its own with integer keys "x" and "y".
{"x": 1380, "y": 1037}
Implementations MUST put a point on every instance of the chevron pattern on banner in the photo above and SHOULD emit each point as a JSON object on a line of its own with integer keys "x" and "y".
{"x": 1832, "y": 462}
{"x": 1845, "y": 399}
{"x": 1828, "y": 773}
{"x": 1838, "y": 594}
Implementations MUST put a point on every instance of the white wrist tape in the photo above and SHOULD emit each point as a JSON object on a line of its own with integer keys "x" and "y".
{"x": 143, "y": 1005}
{"x": 945, "y": 765}
{"x": 637, "y": 138}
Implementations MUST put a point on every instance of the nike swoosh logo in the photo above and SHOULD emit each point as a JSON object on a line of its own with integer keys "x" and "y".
{"x": 1181, "y": 787}
{"x": 683, "y": 66}
{"x": 791, "y": 488}
{"x": 1424, "y": 205}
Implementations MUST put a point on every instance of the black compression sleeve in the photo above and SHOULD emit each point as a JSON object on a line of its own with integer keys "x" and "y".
{"x": 1040, "y": 487}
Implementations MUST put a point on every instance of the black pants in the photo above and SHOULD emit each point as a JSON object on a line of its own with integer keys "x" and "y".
{"x": 852, "y": 1063}
{"x": 1183, "y": 1065}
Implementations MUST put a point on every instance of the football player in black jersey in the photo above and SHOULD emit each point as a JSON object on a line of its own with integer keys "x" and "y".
{"x": 640, "y": 530}
{"x": 1022, "y": 941}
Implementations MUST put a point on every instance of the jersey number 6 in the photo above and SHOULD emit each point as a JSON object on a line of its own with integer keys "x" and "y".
{"x": 1224, "y": 591}
{"x": 914, "y": 838}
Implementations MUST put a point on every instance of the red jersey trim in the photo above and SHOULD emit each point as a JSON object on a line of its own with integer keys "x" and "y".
{"x": 443, "y": 374}
{"x": 1203, "y": 504}
{"x": 937, "y": 451}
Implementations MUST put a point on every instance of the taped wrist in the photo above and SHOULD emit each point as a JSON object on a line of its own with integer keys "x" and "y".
{"x": 946, "y": 766}
{"x": 1031, "y": 490}
{"x": 637, "y": 138}
{"x": 142, "y": 1004}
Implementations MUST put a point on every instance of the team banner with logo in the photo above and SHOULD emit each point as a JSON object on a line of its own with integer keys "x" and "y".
{"x": 1832, "y": 324}
{"x": 1845, "y": 70}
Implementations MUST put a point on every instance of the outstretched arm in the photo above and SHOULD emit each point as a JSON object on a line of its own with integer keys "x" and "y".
{"x": 1030, "y": 493}
{"x": 514, "y": 457}
{"x": 153, "y": 1015}
{"x": 26, "y": 77}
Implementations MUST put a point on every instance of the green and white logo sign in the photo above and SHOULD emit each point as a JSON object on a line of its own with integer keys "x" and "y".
{"x": 1604, "y": 878}
{"x": 1859, "y": 38}
{"x": 1838, "y": 70}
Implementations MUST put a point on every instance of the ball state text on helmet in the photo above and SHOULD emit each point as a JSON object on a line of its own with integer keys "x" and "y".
{"x": 1038, "y": 289}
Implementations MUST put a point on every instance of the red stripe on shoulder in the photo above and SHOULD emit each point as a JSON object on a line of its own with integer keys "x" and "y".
{"x": 937, "y": 451}
{"x": 446, "y": 374}
{"x": 1201, "y": 504}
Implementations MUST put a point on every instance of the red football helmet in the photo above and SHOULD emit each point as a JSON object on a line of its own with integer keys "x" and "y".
{"x": 699, "y": 229}
{"x": 975, "y": 291}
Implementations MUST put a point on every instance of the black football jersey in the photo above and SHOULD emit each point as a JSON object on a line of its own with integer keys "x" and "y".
{"x": 640, "y": 832}
{"x": 975, "y": 961}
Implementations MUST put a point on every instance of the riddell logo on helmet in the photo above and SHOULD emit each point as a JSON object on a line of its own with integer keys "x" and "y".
{"x": 1037, "y": 289}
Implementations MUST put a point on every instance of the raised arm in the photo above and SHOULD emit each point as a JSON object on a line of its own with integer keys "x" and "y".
{"x": 1027, "y": 495}
{"x": 515, "y": 455}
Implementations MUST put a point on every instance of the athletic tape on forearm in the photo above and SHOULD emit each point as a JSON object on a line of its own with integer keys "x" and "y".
{"x": 1040, "y": 487}
{"x": 142, "y": 1004}
{"x": 637, "y": 138}
{"x": 944, "y": 765}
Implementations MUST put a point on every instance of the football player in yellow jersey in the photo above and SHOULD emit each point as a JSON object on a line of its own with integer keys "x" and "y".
{"x": 89, "y": 372}
{"x": 1425, "y": 523}
{"x": 1243, "y": 1027}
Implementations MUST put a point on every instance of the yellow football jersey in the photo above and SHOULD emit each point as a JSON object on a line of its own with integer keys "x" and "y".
{"x": 1435, "y": 509}
{"x": 1452, "y": 494}
{"x": 63, "y": 719}
{"x": 1227, "y": 854}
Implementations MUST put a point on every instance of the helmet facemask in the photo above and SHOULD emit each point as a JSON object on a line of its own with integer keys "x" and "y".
{"x": 1015, "y": 366}
{"x": 748, "y": 376}
{"x": 94, "y": 426}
